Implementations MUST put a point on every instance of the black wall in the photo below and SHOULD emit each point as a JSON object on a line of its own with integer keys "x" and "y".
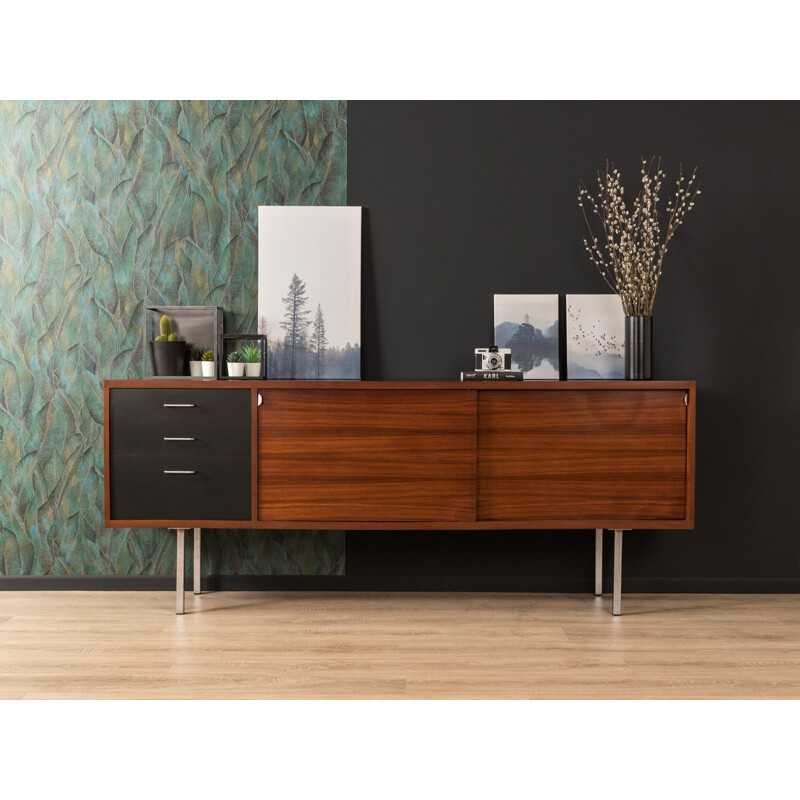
{"x": 465, "y": 200}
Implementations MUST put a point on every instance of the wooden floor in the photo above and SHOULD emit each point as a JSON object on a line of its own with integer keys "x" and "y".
{"x": 381, "y": 645}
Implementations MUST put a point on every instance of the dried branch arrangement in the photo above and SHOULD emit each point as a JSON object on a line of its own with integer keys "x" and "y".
{"x": 635, "y": 241}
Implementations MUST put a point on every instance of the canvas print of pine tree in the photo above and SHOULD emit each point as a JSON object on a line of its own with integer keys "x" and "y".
{"x": 309, "y": 291}
{"x": 595, "y": 337}
{"x": 528, "y": 324}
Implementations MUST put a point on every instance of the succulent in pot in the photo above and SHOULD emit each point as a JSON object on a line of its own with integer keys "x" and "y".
{"x": 208, "y": 365}
{"x": 251, "y": 355}
{"x": 167, "y": 352}
{"x": 196, "y": 361}
{"x": 235, "y": 364}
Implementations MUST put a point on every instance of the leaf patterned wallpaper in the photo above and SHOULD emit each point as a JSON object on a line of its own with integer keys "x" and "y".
{"x": 105, "y": 207}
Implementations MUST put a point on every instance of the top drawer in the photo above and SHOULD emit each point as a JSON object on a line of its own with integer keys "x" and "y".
{"x": 168, "y": 405}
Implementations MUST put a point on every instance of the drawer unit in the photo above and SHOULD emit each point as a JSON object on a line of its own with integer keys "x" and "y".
{"x": 189, "y": 486}
{"x": 181, "y": 436}
{"x": 179, "y": 454}
{"x": 179, "y": 405}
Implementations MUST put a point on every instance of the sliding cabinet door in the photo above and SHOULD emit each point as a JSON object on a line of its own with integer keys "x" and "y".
{"x": 366, "y": 455}
{"x": 582, "y": 455}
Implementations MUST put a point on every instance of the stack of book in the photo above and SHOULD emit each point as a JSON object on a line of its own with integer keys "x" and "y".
{"x": 491, "y": 375}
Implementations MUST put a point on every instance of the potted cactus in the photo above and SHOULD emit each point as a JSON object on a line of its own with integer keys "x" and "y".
{"x": 208, "y": 365}
{"x": 235, "y": 364}
{"x": 251, "y": 355}
{"x": 167, "y": 352}
{"x": 196, "y": 361}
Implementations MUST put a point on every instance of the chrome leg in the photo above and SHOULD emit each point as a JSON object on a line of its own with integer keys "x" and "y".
{"x": 197, "y": 560}
{"x": 180, "y": 569}
{"x": 616, "y": 602}
{"x": 598, "y": 562}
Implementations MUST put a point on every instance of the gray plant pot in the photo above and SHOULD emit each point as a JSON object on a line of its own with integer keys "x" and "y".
{"x": 168, "y": 358}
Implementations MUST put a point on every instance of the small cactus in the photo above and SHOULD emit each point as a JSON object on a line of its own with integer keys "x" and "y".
{"x": 197, "y": 354}
{"x": 208, "y": 355}
{"x": 235, "y": 357}
{"x": 166, "y": 334}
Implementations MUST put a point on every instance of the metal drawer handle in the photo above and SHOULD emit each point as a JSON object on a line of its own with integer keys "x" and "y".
{"x": 179, "y": 439}
{"x": 178, "y": 405}
{"x": 180, "y": 471}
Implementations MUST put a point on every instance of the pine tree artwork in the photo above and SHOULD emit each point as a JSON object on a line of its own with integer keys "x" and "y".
{"x": 309, "y": 291}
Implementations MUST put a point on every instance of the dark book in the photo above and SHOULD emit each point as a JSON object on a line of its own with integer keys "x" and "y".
{"x": 491, "y": 375}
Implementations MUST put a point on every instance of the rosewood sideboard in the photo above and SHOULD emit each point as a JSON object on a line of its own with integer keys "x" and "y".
{"x": 602, "y": 455}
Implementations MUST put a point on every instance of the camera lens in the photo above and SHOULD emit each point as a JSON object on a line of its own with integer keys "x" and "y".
{"x": 493, "y": 361}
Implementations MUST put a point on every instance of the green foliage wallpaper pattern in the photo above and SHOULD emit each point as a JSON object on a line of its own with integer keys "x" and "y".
{"x": 105, "y": 207}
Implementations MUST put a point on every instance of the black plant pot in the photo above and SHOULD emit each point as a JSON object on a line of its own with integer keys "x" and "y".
{"x": 638, "y": 348}
{"x": 168, "y": 358}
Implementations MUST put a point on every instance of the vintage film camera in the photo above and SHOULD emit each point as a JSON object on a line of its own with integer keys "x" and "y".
{"x": 495, "y": 359}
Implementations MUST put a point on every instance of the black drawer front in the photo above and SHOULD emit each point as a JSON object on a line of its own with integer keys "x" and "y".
{"x": 179, "y": 437}
{"x": 173, "y": 405}
{"x": 218, "y": 488}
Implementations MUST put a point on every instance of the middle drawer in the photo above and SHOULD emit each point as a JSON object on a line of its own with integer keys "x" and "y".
{"x": 174, "y": 438}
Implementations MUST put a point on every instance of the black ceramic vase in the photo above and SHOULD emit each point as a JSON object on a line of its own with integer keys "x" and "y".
{"x": 168, "y": 358}
{"x": 638, "y": 348}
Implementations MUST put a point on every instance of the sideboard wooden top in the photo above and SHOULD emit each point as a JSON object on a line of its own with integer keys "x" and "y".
{"x": 533, "y": 385}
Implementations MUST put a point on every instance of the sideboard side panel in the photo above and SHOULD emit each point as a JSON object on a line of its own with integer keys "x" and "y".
{"x": 582, "y": 455}
{"x": 358, "y": 455}
{"x": 691, "y": 400}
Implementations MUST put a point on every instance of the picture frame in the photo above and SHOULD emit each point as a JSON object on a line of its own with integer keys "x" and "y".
{"x": 595, "y": 334}
{"x": 528, "y": 324}
{"x": 309, "y": 291}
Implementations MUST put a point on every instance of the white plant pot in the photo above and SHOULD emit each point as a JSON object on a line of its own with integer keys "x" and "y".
{"x": 195, "y": 368}
{"x": 253, "y": 369}
{"x": 235, "y": 370}
{"x": 209, "y": 369}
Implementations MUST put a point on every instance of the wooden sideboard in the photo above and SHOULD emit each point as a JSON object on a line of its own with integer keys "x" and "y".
{"x": 375, "y": 455}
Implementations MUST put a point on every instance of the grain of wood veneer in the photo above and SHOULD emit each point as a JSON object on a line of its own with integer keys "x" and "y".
{"x": 398, "y": 645}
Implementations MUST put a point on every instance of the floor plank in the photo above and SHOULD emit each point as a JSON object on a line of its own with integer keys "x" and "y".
{"x": 397, "y": 645}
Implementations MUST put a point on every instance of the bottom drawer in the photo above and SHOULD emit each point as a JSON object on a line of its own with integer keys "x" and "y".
{"x": 180, "y": 487}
